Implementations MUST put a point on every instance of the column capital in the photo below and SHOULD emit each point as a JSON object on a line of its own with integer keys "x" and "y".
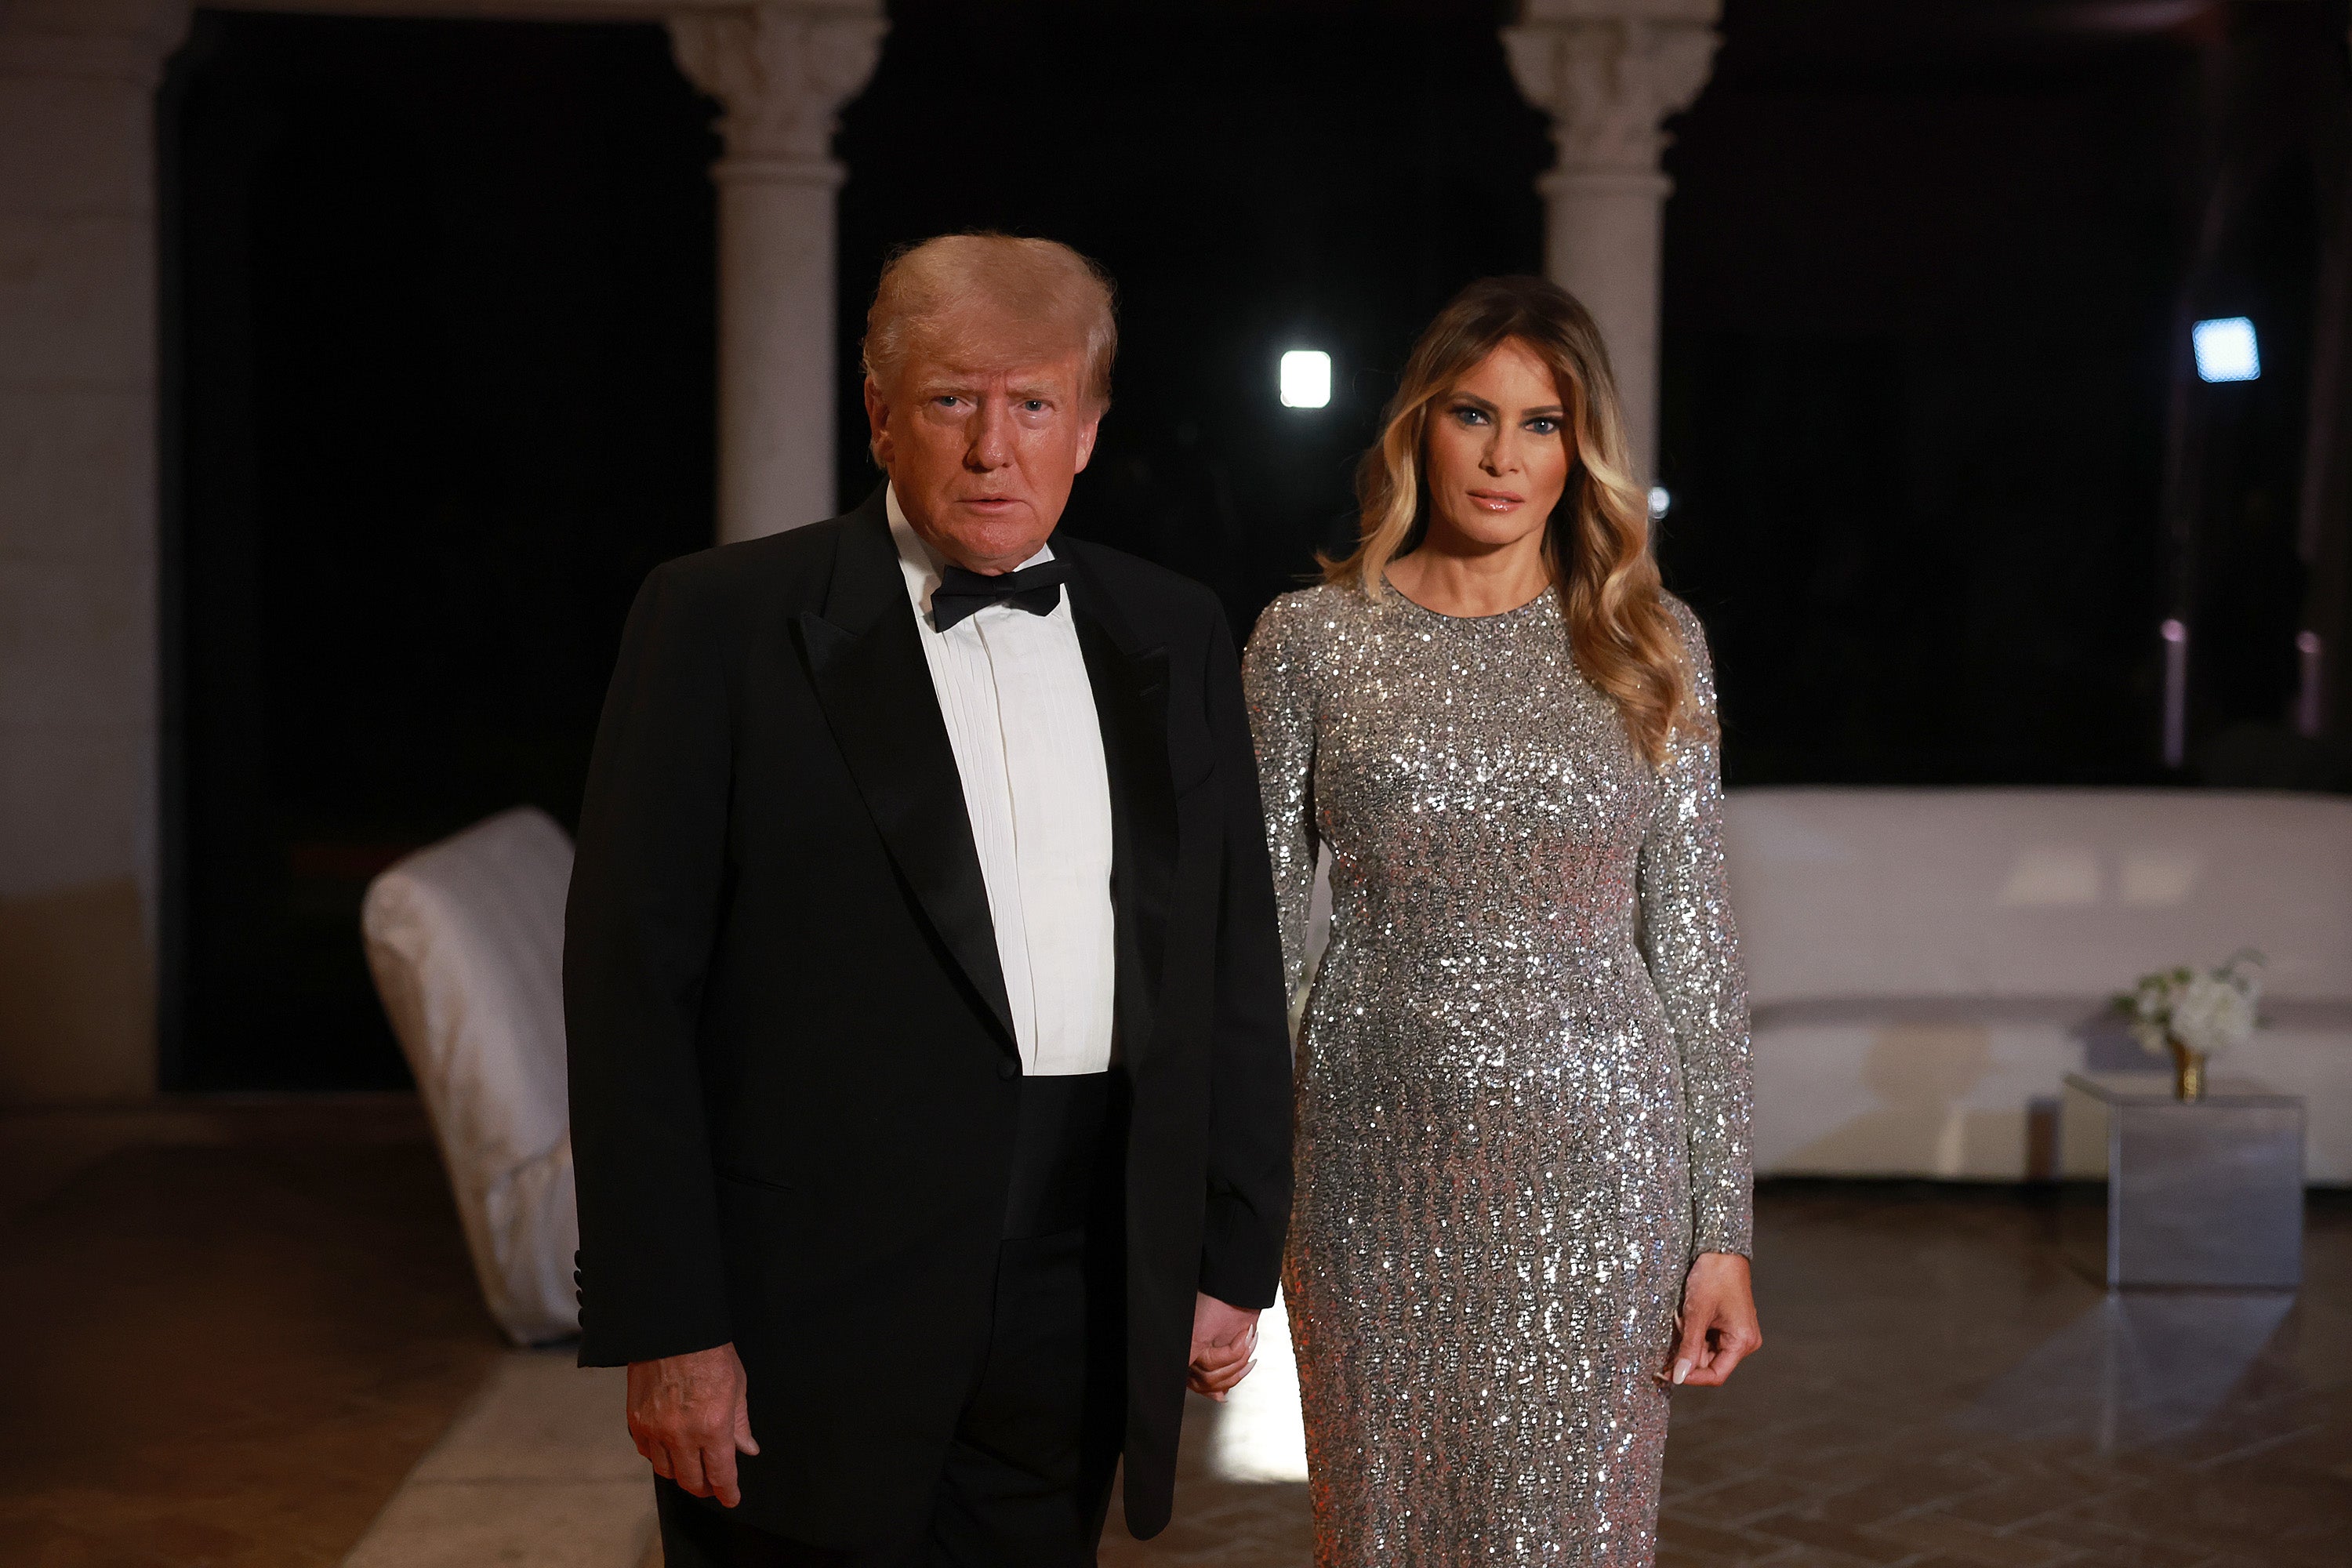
{"x": 1609, "y": 73}
{"x": 782, "y": 69}
{"x": 111, "y": 40}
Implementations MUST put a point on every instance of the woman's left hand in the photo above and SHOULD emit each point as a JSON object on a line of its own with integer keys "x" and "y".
{"x": 1718, "y": 1321}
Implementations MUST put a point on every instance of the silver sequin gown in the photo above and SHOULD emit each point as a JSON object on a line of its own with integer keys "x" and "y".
{"x": 1523, "y": 1077}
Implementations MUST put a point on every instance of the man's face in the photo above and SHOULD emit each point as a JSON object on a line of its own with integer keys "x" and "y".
{"x": 982, "y": 455}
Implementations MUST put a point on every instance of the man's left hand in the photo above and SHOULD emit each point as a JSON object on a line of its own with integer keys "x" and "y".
{"x": 1224, "y": 1347}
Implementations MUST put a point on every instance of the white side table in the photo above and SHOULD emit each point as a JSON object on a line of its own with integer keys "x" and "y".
{"x": 2205, "y": 1192}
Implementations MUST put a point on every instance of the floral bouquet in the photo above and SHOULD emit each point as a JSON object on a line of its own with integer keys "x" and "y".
{"x": 2190, "y": 1013}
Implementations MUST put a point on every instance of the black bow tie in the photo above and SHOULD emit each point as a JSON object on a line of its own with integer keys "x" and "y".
{"x": 1036, "y": 589}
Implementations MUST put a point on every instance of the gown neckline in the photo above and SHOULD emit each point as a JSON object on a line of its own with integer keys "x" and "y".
{"x": 1467, "y": 620}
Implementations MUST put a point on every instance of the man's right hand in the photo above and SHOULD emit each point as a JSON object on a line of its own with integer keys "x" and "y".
{"x": 690, "y": 1417}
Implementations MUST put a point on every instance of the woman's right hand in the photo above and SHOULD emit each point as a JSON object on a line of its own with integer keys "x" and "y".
{"x": 1719, "y": 1328}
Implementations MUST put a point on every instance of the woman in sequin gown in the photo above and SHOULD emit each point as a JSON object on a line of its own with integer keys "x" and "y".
{"x": 1522, "y": 1076}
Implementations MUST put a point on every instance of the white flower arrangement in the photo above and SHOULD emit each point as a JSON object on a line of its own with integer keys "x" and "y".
{"x": 2205, "y": 1011}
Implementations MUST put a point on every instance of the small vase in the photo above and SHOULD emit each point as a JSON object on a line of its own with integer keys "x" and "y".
{"x": 2188, "y": 1072}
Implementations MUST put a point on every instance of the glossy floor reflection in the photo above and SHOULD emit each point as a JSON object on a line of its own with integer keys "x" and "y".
{"x": 1940, "y": 1388}
{"x": 2133, "y": 1371}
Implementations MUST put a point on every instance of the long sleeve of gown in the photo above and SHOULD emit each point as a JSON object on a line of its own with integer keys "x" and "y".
{"x": 1282, "y": 723}
{"x": 1692, "y": 950}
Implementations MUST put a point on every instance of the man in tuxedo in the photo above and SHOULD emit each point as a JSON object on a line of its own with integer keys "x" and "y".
{"x": 930, "y": 1086}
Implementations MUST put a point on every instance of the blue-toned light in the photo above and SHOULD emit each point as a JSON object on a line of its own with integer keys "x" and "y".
{"x": 2226, "y": 349}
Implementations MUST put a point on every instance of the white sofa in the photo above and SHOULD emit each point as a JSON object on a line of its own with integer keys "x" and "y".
{"x": 1925, "y": 966}
{"x": 465, "y": 941}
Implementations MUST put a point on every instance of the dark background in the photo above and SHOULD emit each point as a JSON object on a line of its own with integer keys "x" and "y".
{"x": 440, "y": 312}
{"x": 445, "y": 390}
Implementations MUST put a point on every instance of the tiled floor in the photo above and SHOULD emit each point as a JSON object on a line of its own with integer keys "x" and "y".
{"x": 1940, "y": 1388}
{"x": 236, "y": 1330}
{"x": 539, "y": 1472}
{"x": 231, "y": 1331}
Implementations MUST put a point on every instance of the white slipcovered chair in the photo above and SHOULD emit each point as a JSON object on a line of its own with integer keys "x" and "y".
{"x": 465, "y": 940}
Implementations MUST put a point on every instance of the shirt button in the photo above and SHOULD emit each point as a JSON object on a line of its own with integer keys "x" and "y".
{"x": 1007, "y": 1070}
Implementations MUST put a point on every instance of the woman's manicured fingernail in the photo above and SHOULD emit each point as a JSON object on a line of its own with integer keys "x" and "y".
{"x": 1682, "y": 1370}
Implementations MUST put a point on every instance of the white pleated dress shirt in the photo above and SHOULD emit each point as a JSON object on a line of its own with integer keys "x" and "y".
{"x": 1028, "y": 745}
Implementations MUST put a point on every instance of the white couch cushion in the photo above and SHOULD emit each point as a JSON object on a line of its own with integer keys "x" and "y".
{"x": 1926, "y": 965}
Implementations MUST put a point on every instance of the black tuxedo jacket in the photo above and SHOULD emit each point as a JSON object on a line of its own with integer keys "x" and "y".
{"x": 793, "y": 1075}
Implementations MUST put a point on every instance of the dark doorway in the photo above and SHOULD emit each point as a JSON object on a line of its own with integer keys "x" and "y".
{"x": 2243, "y": 469}
{"x": 440, "y": 312}
{"x": 1922, "y": 264}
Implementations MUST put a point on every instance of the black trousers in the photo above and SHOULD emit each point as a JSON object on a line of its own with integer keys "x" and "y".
{"x": 1026, "y": 1480}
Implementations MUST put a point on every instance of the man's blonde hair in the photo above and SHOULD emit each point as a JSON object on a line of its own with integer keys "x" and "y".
{"x": 962, "y": 295}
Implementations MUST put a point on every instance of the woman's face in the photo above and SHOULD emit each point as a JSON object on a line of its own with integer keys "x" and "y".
{"x": 1498, "y": 451}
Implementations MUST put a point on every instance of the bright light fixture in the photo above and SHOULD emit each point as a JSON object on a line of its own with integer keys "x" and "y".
{"x": 2226, "y": 349}
{"x": 1659, "y": 501}
{"x": 1306, "y": 378}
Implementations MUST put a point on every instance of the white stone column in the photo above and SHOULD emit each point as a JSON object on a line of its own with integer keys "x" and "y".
{"x": 78, "y": 545}
{"x": 1609, "y": 72}
{"x": 782, "y": 71}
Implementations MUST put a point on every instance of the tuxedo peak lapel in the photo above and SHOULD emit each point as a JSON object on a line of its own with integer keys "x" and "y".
{"x": 876, "y": 688}
{"x": 1131, "y": 688}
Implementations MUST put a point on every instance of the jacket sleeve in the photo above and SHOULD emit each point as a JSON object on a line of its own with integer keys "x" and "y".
{"x": 1250, "y": 1096}
{"x": 644, "y": 913}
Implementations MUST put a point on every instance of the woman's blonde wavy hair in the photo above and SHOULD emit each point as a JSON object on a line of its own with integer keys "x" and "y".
{"x": 1597, "y": 543}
